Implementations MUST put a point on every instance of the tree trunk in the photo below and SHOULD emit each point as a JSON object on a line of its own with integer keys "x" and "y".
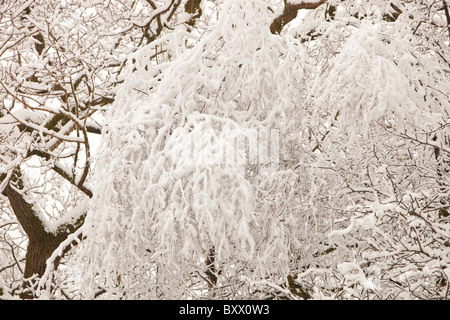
{"x": 38, "y": 251}
{"x": 41, "y": 243}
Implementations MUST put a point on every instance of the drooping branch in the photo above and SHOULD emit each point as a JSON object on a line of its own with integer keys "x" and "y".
{"x": 211, "y": 271}
{"x": 290, "y": 13}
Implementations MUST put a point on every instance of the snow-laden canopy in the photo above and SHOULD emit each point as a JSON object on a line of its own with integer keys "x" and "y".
{"x": 236, "y": 163}
{"x": 374, "y": 78}
{"x": 168, "y": 191}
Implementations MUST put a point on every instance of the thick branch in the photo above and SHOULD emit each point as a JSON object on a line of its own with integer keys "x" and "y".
{"x": 290, "y": 13}
{"x": 26, "y": 215}
{"x": 41, "y": 243}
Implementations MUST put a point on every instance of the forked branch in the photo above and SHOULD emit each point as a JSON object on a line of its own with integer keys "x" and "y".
{"x": 290, "y": 13}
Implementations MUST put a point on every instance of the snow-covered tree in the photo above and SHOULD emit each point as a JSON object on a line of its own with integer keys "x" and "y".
{"x": 60, "y": 67}
{"x": 250, "y": 149}
{"x": 380, "y": 122}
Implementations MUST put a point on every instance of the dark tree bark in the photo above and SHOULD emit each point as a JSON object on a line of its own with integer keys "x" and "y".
{"x": 211, "y": 272}
{"x": 41, "y": 243}
{"x": 290, "y": 13}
